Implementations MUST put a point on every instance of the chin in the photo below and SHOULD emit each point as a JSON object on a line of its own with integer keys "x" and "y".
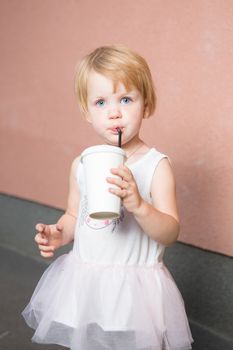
{"x": 113, "y": 142}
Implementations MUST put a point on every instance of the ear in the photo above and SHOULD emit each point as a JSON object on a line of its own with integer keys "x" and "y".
{"x": 87, "y": 117}
{"x": 146, "y": 112}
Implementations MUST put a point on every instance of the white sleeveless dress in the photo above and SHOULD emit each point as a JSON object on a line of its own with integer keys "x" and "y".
{"x": 112, "y": 291}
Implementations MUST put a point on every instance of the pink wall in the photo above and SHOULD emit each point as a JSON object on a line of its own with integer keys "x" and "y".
{"x": 188, "y": 45}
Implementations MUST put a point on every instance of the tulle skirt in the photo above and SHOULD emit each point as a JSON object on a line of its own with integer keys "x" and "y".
{"x": 87, "y": 306}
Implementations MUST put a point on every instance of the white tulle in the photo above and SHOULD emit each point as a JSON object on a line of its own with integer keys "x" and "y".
{"x": 87, "y": 306}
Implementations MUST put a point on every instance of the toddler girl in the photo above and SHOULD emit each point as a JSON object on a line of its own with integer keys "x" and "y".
{"x": 112, "y": 291}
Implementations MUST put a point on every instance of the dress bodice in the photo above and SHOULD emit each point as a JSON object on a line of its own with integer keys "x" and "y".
{"x": 118, "y": 241}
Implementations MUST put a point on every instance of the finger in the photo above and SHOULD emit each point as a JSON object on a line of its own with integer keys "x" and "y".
{"x": 126, "y": 169}
{"x": 40, "y": 227}
{"x": 118, "y": 192}
{"x": 45, "y": 248}
{"x": 43, "y": 229}
{"x": 47, "y": 255}
{"x": 124, "y": 185}
{"x": 123, "y": 173}
{"x": 119, "y": 182}
{"x": 59, "y": 227}
{"x": 40, "y": 239}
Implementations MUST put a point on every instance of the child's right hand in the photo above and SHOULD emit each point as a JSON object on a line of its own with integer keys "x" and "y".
{"x": 48, "y": 239}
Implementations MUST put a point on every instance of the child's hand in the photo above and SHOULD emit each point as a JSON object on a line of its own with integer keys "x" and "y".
{"x": 128, "y": 189}
{"x": 48, "y": 239}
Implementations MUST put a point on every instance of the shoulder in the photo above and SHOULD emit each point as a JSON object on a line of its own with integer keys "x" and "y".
{"x": 74, "y": 168}
{"x": 163, "y": 189}
{"x": 75, "y": 164}
{"x": 164, "y": 173}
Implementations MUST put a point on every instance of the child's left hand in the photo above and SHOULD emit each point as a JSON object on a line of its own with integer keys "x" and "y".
{"x": 128, "y": 189}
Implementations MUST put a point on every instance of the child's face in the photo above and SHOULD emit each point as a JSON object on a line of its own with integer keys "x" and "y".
{"x": 108, "y": 110}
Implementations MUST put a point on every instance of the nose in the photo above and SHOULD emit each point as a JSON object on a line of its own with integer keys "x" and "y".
{"x": 115, "y": 116}
{"x": 114, "y": 113}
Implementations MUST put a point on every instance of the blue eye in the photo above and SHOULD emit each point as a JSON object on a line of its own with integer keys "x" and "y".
{"x": 126, "y": 100}
{"x": 100, "y": 103}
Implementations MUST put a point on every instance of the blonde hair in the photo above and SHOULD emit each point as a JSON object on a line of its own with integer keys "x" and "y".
{"x": 121, "y": 65}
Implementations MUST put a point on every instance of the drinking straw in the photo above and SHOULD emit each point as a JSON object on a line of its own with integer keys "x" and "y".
{"x": 119, "y": 136}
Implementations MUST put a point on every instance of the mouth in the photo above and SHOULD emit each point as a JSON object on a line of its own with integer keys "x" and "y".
{"x": 116, "y": 130}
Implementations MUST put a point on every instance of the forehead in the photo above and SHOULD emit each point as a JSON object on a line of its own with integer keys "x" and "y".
{"x": 101, "y": 84}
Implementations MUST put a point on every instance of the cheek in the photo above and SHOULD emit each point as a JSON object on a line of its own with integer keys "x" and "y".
{"x": 136, "y": 117}
{"x": 96, "y": 117}
{"x": 97, "y": 125}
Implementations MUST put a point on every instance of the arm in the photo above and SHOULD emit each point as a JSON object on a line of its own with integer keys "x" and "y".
{"x": 51, "y": 237}
{"x": 160, "y": 219}
{"x": 68, "y": 220}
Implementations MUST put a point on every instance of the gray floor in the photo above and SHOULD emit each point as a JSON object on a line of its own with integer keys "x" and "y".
{"x": 19, "y": 275}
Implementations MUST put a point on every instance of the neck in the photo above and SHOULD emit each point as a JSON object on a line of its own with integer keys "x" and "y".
{"x": 131, "y": 146}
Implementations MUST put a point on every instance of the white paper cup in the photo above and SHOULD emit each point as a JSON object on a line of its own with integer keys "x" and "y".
{"x": 97, "y": 162}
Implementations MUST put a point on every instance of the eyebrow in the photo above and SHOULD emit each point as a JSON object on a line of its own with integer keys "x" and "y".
{"x": 98, "y": 98}
{"x": 126, "y": 93}
{"x": 122, "y": 94}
